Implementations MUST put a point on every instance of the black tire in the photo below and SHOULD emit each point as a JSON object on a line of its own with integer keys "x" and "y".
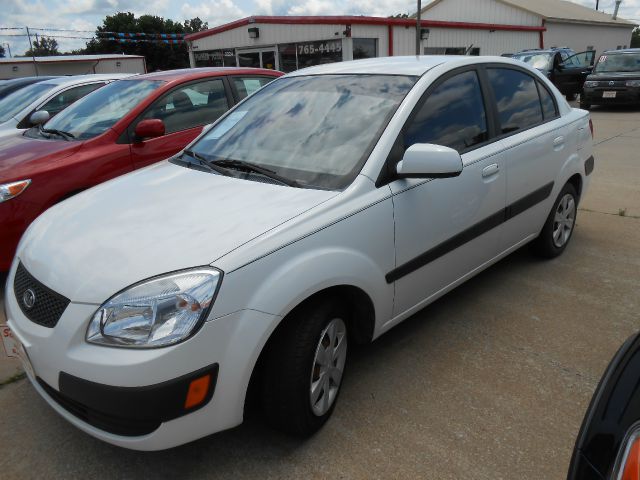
{"x": 571, "y": 96}
{"x": 287, "y": 376}
{"x": 545, "y": 246}
{"x": 584, "y": 105}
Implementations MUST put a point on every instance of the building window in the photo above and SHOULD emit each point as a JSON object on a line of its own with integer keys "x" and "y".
{"x": 288, "y": 57}
{"x": 300, "y": 55}
{"x": 365, "y": 48}
{"x": 215, "y": 58}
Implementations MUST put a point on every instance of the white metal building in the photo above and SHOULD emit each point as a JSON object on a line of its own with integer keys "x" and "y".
{"x": 476, "y": 27}
{"x": 71, "y": 65}
{"x": 564, "y": 24}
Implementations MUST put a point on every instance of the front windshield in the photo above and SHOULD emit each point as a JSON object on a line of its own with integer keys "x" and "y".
{"x": 619, "y": 62}
{"x": 541, "y": 61}
{"x": 101, "y": 109}
{"x": 316, "y": 130}
{"x": 13, "y": 103}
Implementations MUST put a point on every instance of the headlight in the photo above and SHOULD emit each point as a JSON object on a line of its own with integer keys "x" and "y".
{"x": 632, "y": 83}
{"x": 11, "y": 190}
{"x": 157, "y": 312}
{"x": 590, "y": 84}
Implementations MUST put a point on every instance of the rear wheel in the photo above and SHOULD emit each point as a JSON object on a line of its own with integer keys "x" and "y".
{"x": 558, "y": 228}
{"x": 304, "y": 368}
{"x": 584, "y": 105}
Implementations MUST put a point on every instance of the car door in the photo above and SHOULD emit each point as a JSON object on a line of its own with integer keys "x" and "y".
{"x": 447, "y": 228}
{"x": 184, "y": 111}
{"x": 62, "y": 100}
{"x": 570, "y": 74}
{"x": 533, "y": 143}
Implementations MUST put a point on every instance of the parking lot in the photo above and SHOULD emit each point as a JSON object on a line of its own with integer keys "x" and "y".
{"x": 490, "y": 382}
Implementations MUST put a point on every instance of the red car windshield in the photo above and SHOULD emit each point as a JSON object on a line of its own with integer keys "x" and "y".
{"x": 100, "y": 110}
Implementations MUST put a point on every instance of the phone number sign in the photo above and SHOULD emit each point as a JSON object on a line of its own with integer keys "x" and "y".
{"x": 313, "y": 48}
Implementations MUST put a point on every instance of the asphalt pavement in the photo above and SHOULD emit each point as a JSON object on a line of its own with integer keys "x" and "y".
{"x": 490, "y": 382}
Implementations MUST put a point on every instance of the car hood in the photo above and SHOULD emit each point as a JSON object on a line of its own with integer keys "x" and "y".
{"x": 601, "y": 77}
{"x": 21, "y": 156}
{"x": 160, "y": 219}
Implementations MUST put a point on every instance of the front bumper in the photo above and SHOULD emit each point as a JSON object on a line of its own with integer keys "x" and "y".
{"x": 232, "y": 342}
{"x": 624, "y": 96}
{"x": 15, "y": 216}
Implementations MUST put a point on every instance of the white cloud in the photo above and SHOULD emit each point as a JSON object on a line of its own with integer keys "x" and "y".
{"x": 213, "y": 12}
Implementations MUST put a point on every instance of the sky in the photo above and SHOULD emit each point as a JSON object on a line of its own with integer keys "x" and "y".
{"x": 86, "y": 15}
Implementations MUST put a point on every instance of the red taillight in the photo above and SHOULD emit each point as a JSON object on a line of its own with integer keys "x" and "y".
{"x": 631, "y": 467}
{"x": 591, "y": 127}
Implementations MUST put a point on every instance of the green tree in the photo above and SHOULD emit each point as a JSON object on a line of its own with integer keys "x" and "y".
{"x": 43, "y": 47}
{"x": 635, "y": 38}
{"x": 1, "y": 51}
{"x": 159, "y": 55}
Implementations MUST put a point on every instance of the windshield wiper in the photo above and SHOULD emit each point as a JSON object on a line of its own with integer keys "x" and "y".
{"x": 253, "y": 168}
{"x": 204, "y": 162}
{"x": 53, "y": 131}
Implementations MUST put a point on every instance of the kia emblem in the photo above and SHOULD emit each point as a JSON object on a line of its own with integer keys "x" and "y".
{"x": 29, "y": 298}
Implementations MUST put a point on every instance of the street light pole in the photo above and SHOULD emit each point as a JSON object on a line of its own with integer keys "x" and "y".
{"x": 418, "y": 27}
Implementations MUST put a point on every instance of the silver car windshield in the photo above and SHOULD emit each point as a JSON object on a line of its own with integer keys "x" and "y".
{"x": 315, "y": 130}
{"x": 618, "y": 62}
{"x": 100, "y": 110}
{"x": 13, "y": 103}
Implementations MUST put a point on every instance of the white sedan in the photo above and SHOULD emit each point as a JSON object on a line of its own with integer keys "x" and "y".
{"x": 36, "y": 103}
{"x": 320, "y": 212}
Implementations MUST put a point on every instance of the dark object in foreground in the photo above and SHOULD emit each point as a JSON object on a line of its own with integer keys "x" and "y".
{"x": 608, "y": 445}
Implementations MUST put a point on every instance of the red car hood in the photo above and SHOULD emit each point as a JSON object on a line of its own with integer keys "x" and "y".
{"x": 21, "y": 156}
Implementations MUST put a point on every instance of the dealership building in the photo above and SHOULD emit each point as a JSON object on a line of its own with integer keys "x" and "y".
{"x": 475, "y": 27}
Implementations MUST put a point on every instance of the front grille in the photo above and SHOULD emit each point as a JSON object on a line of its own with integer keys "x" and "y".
{"x": 130, "y": 427}
{"x": 39, "y": 303}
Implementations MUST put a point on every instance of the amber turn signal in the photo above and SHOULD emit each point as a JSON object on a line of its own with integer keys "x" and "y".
{"x": 198, "y": 390}
{"x": 631, "y": 467}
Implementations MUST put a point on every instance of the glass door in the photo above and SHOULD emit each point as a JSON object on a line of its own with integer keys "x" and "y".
{"x": 262, "y": 58}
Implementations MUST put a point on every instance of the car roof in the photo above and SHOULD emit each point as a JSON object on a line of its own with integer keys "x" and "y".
{"x": 27, "y": 80}
{"x": 185, "y": 74}
{"x": 410, "y": 65}
{"x": 624, "y": 50}
{"x": 78, "y": 79}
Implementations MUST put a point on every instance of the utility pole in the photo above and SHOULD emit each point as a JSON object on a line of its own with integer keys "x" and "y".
{"x": 615, "y": 12}
{"x": 418, "y": 26}
{"x": 597, "y": 4}
{"x": 33, "y": 56}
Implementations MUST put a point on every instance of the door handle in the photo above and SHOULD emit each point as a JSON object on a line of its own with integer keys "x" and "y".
{"x": 490, "y": 170}
{"x": 558, "y": 142}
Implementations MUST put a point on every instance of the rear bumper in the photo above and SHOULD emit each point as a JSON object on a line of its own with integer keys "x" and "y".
{"x": 593, "y": 96}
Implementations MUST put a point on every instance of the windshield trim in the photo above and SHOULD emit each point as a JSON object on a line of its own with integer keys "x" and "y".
{"x": 347, "y": 178}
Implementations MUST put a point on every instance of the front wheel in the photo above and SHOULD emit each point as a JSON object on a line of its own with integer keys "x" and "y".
{"x": 304, "y": 369}
{"x": 558, "y": 228}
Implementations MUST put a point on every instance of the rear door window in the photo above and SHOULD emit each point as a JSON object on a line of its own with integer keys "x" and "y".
{"x": 246, "y": 86}
{"x": 63, "y": 99}
{"x": 453, "y": 115}
{"x": 517, "y": 99}
{"x": 190, "y": 105}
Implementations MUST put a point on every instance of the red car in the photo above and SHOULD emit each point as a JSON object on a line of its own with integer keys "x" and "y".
{"x": 123, "y": 126}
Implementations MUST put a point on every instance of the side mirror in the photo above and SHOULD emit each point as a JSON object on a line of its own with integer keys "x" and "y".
{"x": 39, "y": 117}
{"x": 149, "y": 128}
{"x": 424, "y": 160}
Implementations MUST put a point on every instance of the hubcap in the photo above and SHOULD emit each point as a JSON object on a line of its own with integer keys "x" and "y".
{"x": 564, "y": 220}
{"x": 328, "y": 366}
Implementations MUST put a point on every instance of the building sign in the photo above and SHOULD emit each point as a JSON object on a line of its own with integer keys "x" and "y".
{"x": 215, "y": 58}
{"x": 314, "y": 48}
